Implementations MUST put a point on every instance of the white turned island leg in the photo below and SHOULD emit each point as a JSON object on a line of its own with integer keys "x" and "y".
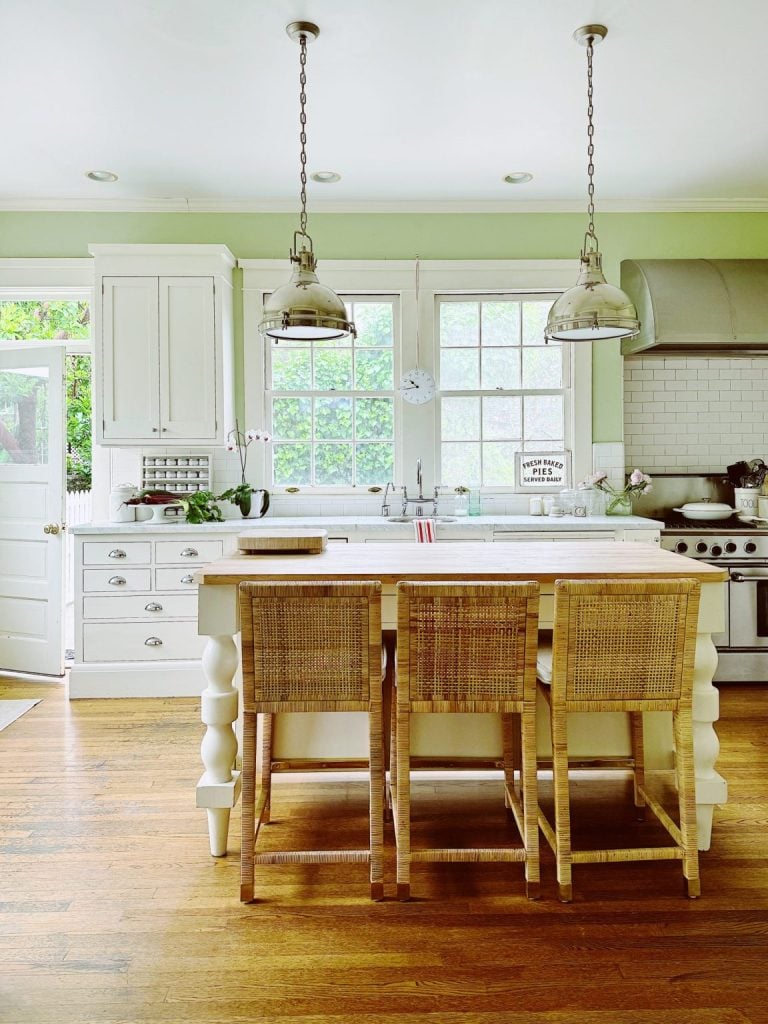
{"x": 711, "y": 788}
{"x": 219, "y": 785}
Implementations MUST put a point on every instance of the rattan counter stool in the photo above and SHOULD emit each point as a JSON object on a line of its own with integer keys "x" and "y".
{"x": 468, "y": 647}
{"x": 309, "y": 647}
{"x": 623, "y": 646}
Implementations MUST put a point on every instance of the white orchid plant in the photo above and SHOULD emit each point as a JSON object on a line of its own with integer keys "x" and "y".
{"x": 240, "y": 441}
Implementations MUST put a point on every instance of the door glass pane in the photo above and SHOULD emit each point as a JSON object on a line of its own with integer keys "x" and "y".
{"x": 24, "y": 416}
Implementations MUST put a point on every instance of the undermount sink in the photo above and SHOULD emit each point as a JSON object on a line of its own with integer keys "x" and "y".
{"x": 411, "y": 519}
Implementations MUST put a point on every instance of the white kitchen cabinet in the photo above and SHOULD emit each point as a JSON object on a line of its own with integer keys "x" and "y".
{"x": 136, "y": 612}
{"x": 163, "y": 367}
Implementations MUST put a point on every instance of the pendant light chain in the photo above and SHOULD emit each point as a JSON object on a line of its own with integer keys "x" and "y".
{"x": 303, "y": 133}
{"x": 590, "y": 150}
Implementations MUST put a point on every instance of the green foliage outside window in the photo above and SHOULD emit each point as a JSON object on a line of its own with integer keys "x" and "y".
{"x": 36, "y": 320}
{"x": 332, "y": 435}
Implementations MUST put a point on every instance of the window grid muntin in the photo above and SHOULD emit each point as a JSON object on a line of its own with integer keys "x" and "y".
{"x": 564, "y": 391}
{"x": 353, "y": 393}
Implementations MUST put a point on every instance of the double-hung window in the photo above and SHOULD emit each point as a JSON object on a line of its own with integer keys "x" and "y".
{"x": 336, "y": 418}
{"x": 332, "y": 403}
{"x": 503, "y": 390}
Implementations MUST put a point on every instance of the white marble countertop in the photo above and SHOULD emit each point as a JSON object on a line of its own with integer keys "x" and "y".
{"x": 376, "y": 524}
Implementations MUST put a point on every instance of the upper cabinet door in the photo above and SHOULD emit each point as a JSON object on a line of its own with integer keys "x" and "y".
{"x": 189, "y": 374}
{"x": 129, "y": 350}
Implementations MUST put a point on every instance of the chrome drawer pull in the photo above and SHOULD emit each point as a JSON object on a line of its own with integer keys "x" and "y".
{"x": 153, "y": 606}
{"x": 187, "y": 579}
{"x": 117, "y": 553}
{"x": 153, "y": 641}
{"x": 190, "y": 553}
{"x": 117, "y": 581}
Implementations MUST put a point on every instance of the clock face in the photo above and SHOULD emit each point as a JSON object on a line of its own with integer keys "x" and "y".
{"x": 417, "y": 387}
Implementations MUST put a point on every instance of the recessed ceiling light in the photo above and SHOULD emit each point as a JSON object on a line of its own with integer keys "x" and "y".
{"x": 326, "y": 177}
{"x": 101, "y": 175}
{"x": 518, "y": 177}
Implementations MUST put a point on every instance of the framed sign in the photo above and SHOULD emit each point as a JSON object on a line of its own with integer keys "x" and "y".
{"x": 542, "y": 471}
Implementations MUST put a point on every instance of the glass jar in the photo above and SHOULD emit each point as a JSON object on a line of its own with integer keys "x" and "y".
{"x": 474, "y": 502}
{"x": 461, "y": 504}
{"x": 618, "y": 505}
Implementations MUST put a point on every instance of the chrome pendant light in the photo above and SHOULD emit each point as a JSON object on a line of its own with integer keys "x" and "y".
{"x": 303, "y": 309}
{"x": 592, "y": 310}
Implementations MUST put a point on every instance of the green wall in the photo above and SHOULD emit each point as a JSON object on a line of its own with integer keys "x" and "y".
{"x": 432, "y": 236}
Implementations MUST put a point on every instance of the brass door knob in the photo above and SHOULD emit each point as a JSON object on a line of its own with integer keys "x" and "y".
{"x": 52, "y": 529}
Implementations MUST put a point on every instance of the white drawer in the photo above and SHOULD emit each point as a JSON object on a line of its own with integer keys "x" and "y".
{"x": 137, "y": 606}
{"x": 178, "y": 552}
{"x": 141, "y": 641}
{"x": 116, "y": 579}
{"x": 116, "y": 552}
{"x": 180, "y": 577}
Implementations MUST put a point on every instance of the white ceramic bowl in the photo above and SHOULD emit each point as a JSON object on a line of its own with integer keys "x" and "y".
{"x": 706, "y": 510}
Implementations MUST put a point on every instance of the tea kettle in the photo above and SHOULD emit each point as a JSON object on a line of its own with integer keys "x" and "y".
{"x": 259, "y": 503}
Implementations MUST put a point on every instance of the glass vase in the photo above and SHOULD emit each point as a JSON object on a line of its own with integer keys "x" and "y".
{"x": 619, "y": 505}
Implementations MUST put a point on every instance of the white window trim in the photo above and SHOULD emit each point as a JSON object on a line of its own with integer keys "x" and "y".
{"x": 436, "y": 277}
{"x": 29, "y": 279}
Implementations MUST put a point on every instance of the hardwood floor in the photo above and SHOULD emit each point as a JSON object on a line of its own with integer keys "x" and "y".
{"x": 112, "y": 910}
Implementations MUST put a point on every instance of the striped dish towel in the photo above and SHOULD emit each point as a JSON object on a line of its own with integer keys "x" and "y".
{"x": 424, "y": 530}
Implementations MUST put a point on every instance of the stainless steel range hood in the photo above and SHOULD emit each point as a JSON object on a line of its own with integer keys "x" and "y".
{"x": 698, "y": 306}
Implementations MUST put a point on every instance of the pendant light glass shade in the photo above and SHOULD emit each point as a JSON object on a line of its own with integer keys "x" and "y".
{"x": 592, "y": 310}
{"x": 304, "y": 309}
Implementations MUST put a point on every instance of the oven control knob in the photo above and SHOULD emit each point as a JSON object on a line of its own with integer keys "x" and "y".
{"x": 681, "y": 547}
{"x": 730, "y": 547}
{"x": 750, "y": 547}
{"x": 715, "y": 551}
{"x": 701, "y": 547}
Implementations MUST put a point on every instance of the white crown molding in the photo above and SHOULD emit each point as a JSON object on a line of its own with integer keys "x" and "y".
{"x": 178, "y": 205}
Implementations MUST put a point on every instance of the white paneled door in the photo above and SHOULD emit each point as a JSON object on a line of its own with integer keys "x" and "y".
{"x": 32, "y": 488}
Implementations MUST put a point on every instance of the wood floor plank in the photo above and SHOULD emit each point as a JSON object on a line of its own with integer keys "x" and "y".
{"x": 113, "y": 912}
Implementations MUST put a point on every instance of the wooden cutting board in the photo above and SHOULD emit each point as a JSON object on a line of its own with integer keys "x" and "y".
{"x": 271, "y": 542}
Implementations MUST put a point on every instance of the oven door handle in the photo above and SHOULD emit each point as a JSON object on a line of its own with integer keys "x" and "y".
{"x": 738, "y": 577}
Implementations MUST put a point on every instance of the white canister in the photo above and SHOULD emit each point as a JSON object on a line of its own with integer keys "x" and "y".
{"x": 119, "y": 512}
{"x": 745, "y": 500}
{"x": 535, "y": 507}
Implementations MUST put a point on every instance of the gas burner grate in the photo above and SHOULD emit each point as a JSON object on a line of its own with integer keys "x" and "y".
{"x": 676, "y": 521}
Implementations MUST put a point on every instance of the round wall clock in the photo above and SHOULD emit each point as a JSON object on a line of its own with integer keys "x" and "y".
{"x": 417, "y": 387}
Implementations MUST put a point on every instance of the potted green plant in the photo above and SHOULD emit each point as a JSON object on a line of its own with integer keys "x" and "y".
{"x": 242, "y": 494}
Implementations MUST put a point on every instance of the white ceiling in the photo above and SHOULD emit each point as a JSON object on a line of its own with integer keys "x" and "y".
{"x": 194, "y": 103}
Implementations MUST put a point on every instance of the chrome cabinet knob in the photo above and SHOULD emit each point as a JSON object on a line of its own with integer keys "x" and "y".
{"x": 153, "y": 606}
{"x": 117, "y": 581}
{"x": 190, "y": 553}
{"x": 153, "y": 641}
{"x": 187, "y": 579}
{"x": 117, "y": 553}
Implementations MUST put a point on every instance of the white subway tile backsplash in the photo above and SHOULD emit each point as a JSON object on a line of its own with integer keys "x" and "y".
{"x": 694, "y": 414}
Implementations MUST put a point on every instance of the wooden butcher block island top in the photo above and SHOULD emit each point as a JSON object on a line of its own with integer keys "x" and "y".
{"x": 390, "y": 563}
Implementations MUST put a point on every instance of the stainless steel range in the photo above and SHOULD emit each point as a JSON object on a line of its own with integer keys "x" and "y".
{"x": 741, "y": 548}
